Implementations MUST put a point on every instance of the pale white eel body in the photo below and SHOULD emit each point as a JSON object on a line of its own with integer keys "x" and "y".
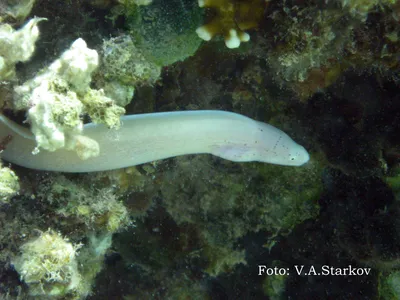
{"x": 148, "y": 137}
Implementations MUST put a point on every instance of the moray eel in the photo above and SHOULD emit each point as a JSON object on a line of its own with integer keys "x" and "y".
{"x": 144, "y": 138}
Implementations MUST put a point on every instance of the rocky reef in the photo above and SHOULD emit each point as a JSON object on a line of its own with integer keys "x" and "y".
{"x": 197, "y": 226}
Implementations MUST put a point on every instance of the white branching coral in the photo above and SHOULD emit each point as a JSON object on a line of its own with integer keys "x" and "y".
{"x": 16, "y": 46}
{"x": 57, "y": 98}
{"x": 54, "y": 115}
